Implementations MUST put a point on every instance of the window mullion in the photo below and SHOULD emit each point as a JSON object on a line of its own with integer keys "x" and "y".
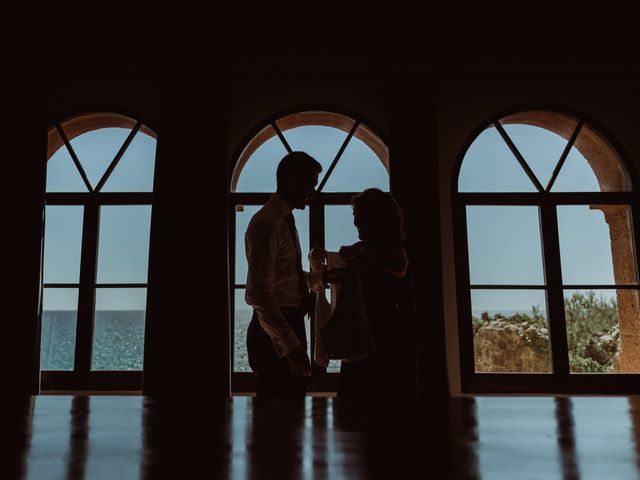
{"x": 86, "y": 299}
{"x": 555, "y": 294}
{"x": 281, "y": 137}
{"x": 465, "y": 331}
{"x": 316, "y": 239}
{"x": 327, "y": 175}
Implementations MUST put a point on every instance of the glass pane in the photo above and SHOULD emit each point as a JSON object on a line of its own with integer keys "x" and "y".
{"x": 97, "y": 149}
{"x": 334, "y": 366}
{"x": 118, "y": 332}
{"x": 489, "y": 166}
{"x": 602, "y": 330}
{"x": 321, "y": 142}
{"x": 259, "y": 173}
{"x": 576, "y": 175}
{"x": 58, "y": 337}
{"x": 359, "y": 168}
{"x": 62, "y": 174}
{"x": 339, "y": 228}
{"x": 134, "y": 171}
{"x": 504, "y": 245}
{"x": 242, "y": 318}
{"x": 510, "y": 331}
{"x": 596, "y": 245}
{"x": 123, "y": 253}
{"x": 541, "y": 148}
{"x": 592, "y": 166}
{"x": 62, "y": 243}
{"x": 242, "y": 222}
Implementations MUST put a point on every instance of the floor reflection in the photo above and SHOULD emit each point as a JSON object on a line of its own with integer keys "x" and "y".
{"x": 316, "y": 438}
{"x": 566, "y": 438}
{"x": 79, "y": 437}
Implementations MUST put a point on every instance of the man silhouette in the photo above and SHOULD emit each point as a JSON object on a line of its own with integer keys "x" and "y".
{"x": 277, "y": 287}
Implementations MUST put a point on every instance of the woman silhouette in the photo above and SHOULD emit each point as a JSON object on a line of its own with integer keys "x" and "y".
{"x": 379, "y": 263}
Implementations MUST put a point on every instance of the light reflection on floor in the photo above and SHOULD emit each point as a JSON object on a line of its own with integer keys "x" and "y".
{"x": 241, "y": 438}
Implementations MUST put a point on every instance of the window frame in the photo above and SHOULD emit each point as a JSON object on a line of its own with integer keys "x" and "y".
{"x": 559, "y": 380}
{"x": 82, "y": 377}
{"x": 320, "y": 380}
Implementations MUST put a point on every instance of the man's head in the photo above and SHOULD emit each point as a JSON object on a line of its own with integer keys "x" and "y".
{"x": 297, "y": 177}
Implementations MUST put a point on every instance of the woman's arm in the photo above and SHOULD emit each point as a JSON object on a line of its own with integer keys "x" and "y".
{"x": 393, "y": 261}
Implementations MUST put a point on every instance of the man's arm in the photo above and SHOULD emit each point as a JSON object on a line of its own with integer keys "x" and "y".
{"x": 261, "y": 248}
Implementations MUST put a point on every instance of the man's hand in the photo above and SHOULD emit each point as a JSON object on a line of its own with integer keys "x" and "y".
{"x": 317, "y": 257}
{"x": 299, "y": 361}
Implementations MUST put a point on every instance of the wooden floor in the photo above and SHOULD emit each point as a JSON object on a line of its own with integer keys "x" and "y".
{"x": 111, "y": 437}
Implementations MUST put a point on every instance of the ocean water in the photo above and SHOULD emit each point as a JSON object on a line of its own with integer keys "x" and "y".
{"x": 119, "y": 340}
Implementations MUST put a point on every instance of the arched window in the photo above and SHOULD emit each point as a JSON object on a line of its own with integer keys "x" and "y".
{"x": 353, "y": 158}
{"x": 100, "y": 170}
{"x": 545, "y": 251}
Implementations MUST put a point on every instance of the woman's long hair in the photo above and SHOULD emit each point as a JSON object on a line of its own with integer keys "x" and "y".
{"x": 378, "y": 218}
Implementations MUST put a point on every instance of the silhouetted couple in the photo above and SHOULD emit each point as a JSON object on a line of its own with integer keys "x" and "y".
{"x": 372, "y": 270}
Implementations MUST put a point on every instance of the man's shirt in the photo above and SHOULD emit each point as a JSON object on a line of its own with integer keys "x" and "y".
{"x": 273, "y": 276}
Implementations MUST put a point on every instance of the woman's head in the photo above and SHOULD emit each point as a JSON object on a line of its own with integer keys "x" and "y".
{"x": 378, "y": 217}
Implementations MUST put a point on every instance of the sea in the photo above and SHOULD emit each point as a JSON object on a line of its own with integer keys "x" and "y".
{"x": 119, "y": 340}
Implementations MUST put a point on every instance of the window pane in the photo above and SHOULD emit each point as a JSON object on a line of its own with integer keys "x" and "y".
{"x": 339, "y": 228}
{"x": 510, "y": 331}
{"x": 596, "y": 245}
{"x": 58, "y": 339}
{"x": 134, "y": 171}
{"x": 321, "y": 142}
{"x": 592, "y": 166}
{"x": 62, "y": 173}
{"x": 489, "y": 166}
{"x": 242, "y": 222}
{"x": 359, "y": 168}
{"x": 242, "y": 318}
{"x": 118, "y": 332}
{"x": 576, "y": 175}
{"x": 541, "y": 148}
{"x": 123, "y": 253}
{"x": 259, "y": 173}
{"x": 62, "y": 243}
{"x": 97, "y": 149}
{"x": 602, "y": 330}
{"x": 504, "y": 245}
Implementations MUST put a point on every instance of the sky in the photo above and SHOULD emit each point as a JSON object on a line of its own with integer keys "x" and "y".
{"x": 504, "y": 241}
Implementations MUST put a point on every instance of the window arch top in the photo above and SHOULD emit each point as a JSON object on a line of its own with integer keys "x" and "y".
{"x": 353, "y": 157}
{"x": 542, "y": 151}
{"x": 100, "y": 152}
